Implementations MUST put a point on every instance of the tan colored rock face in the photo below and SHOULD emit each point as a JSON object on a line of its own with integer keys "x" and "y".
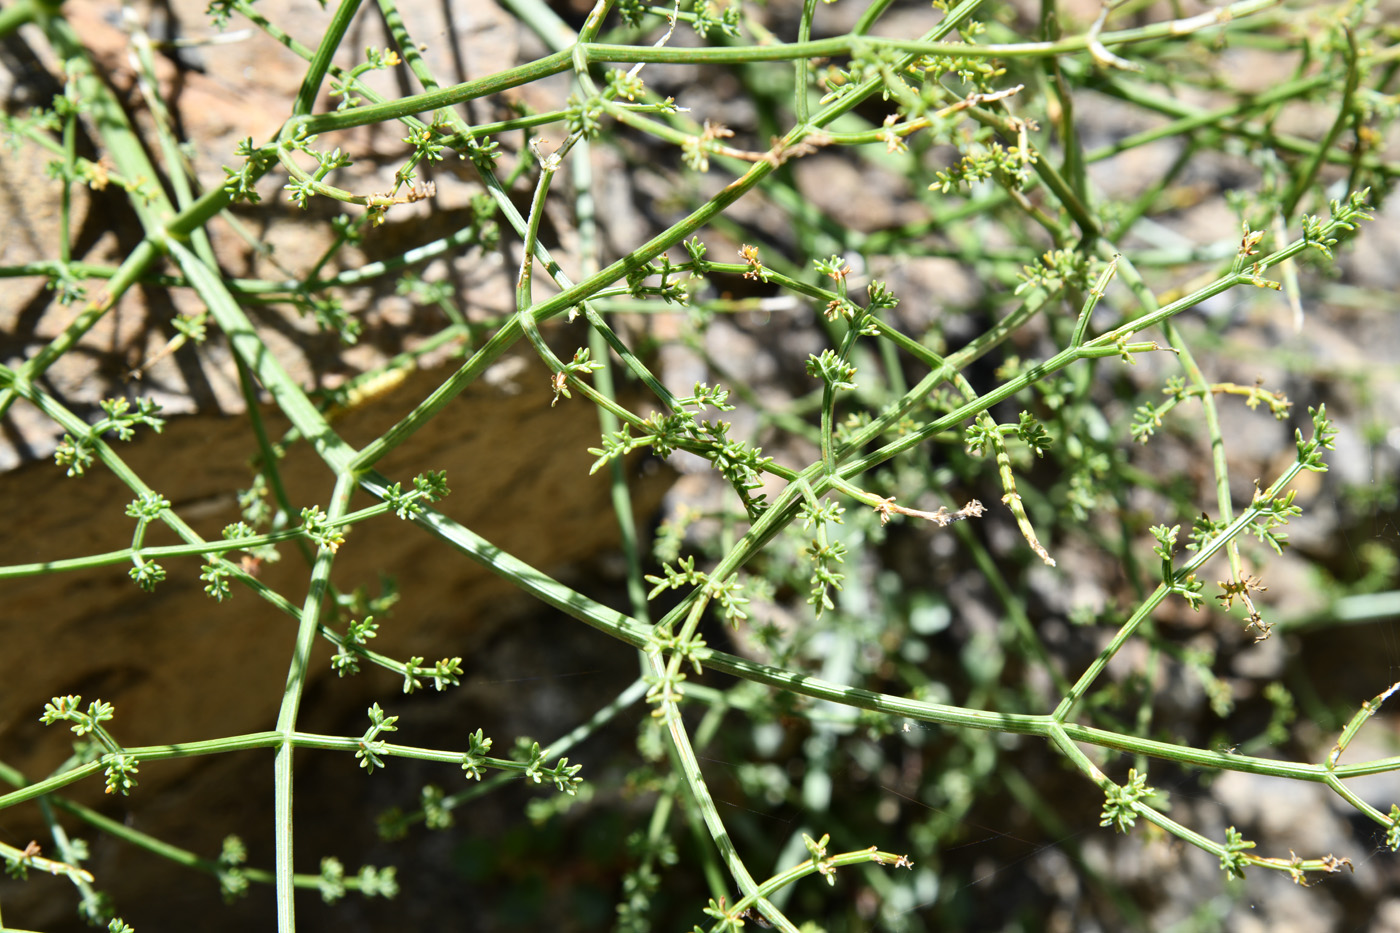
{"x": 180, "y": 666}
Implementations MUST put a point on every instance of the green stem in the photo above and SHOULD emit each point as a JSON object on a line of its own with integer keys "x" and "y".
{"x": 287, "y": 714}
{"x": 321, "y": 61}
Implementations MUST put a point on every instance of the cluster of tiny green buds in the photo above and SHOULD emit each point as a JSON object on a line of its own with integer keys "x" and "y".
{"x": 233, "y": 879}
{"x": 1232, "y": 857}
{"x": 821, "y": 513}
{"x": 621, "y": 442}
{"x": 348, "y": 229}
{"x": 66, "y": 709}
{"x": 371, "y": 751}
{"x": 823, "y": 865}
{"x": 832, "y": 369}
{"x": 632, "y": 11}
{"x": 839, "y": 82}
{"x": 729, "y": 593}
{"x": 122, "y": 419}
{"x": 1271, "y": 513}
{"x": 705, "y": 396}
{"x": 1011, "y": 164}
{"x": 835, "y": 268}
{"x": 427, "y": 487}
{"x": 665, "y": 692}
{"x": 483, "y": 152}
{"x": 241, "y": 183}
{"x": 421, "y": 292}
{"x": 432, "y": 485}
{"x": 220, "y": 12}
{"x": 1317, "y": 232}
{"x": 371, "y": 881}
{"x": 579, "y": 365}
{"x": 730, "y": 919}
{"x": 1120, "y": 809}
{"x": 76, "y": 453}
{"x": 1324, "y": 438}
{"x": 984, "y": 432}
{"x": 1203, "y": 529}
{"x": 663, "y": 641}
{"x": 979, "y": 435}
{"x": 684, "y": 574}
{"x": 824, "y": 553}
{"x": 1166, "y": 547}
{"x": 1190, "y": 589}
{"x": 214, "y": 574}
{"x": 436, "y": 813}
{"x": 731, "y": 597}
{"x": 1056, "y": 268}
{"x": 65, "y": 285}
{"x": 332, "y": 879}
{"x": 1148, "y": 418}
{"x": 444, "y": 673}
{"x": 378, "y": 882}
{"x": 585, "y": 116}
{"x": 121, "y": 766}
{"x": 625, "y": 83}
{"x": 192, "y": 326}
{"x": 258, "y": 552}
{"x": 357, "y": 635}
{"x": 736, "y": 461}
{"x": 318, "y": 527}
{"x": 375, "y": 60}
{"x": 474, "y": 759}
{"x": 1033, "y": 434}
{"x": 303, "y": 188}
{"x": 426, "y": 145}
{"x": 698, "y": 263}
{"x": 695, "y": 150}
{"x": 146, "y": 573}
{"x": 725, "y": 22}
{"x": 1184, "y": 585}
{"x": 253, "y": 501}
{"x": 147, "y": 507}
{"x": 564, "y": 775}
{"x": 330, "y": 315}
{"x": 674, "y": 287}
{"x": 880, "y": 297}
{"x": 119, "y": 773}
{"x": 740, "y": 464}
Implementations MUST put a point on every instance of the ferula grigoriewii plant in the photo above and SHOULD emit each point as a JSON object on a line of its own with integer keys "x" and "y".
{"x": 857, "y": 626}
